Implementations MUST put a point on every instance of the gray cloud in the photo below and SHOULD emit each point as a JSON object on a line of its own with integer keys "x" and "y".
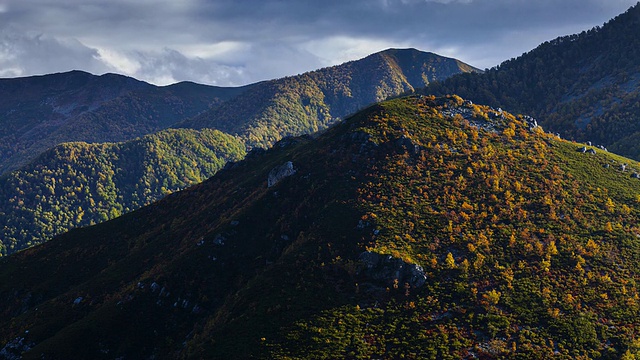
{"x": 226, "y": 42}
{"x": 24, "y": 54}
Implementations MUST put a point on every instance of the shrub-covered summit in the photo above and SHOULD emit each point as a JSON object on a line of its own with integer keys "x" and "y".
{"x": 420, "y": 228}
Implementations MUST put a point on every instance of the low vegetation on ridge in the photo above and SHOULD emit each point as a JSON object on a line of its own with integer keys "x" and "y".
{"x": 530, "y": 247}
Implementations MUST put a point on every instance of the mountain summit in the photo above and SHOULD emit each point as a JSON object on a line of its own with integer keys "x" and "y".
{"x": 312, "y": 101}
{"x": 421, "y": 227}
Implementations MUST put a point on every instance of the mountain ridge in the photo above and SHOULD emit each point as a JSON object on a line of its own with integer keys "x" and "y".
{"x": 42, "y": 111}
{"x": 584, "y": 86}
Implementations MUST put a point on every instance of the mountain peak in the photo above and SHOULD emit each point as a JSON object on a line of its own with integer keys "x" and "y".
{"x": 412, "y": 54}
{"x": 78, "y": 106}
{"x": 320, "y": 98}
{"x": 406, "y": 51}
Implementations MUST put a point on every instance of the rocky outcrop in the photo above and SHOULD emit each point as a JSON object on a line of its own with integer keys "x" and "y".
{"x": 407, "y": 145}
{"x": 13, "y": 350}
{"x": 388, "y": 269}
{"x": 280, "y": 172}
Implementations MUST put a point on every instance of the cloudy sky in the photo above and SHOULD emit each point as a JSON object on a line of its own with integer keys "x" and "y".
{"x": 235, "y": 42}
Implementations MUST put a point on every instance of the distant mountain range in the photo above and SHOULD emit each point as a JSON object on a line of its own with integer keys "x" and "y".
{"x": 40, "y": 112}
{"x": 420, "y": 228}
{"x": 94, "y": 183}
{"x": 584, "y": 86}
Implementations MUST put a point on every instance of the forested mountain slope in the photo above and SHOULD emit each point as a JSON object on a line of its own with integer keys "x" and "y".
{"x": 79, "y": 184}
{"x": 312, "y": 101}
{"x": 584, "y": 86}
{"x": 39, "y": 112}
{"x": 418, "y": 228}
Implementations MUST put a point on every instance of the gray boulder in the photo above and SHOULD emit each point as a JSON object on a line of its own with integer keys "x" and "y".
{"x": 407, "y": 145}
{"x": 280, "y": 172}
{"x": 387, "y": 269}
{"x": 13, "y": 349}
{"x": 359, "y": 136}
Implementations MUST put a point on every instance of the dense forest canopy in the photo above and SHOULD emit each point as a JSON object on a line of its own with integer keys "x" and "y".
{"x": 79, "y": 184}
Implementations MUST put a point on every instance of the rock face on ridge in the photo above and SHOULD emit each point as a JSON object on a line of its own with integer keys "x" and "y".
{"x": 280, "y": 172}
{"x": 390, "y": 270}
